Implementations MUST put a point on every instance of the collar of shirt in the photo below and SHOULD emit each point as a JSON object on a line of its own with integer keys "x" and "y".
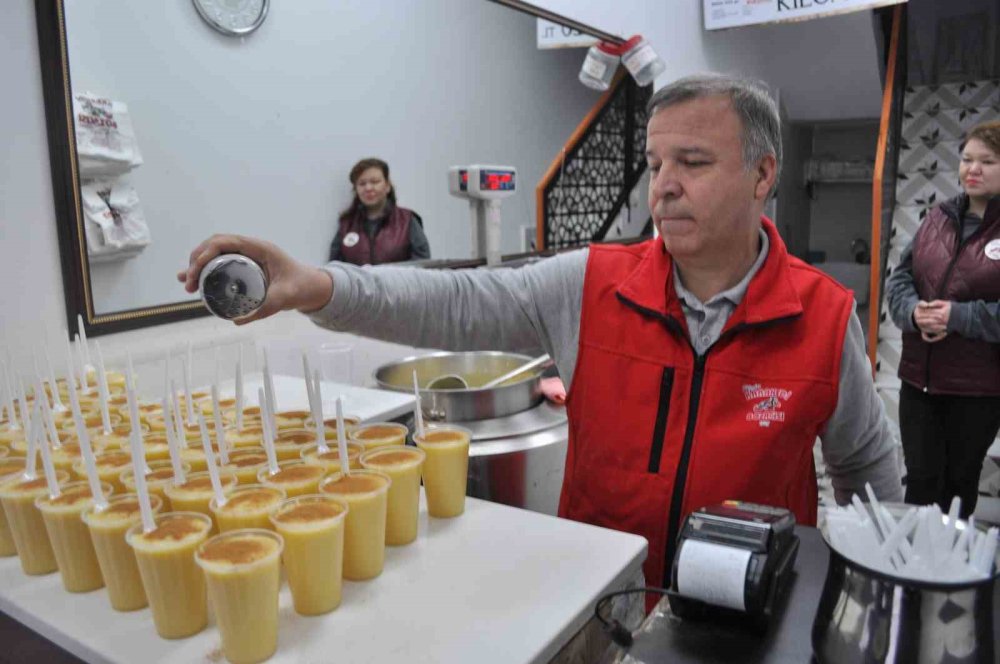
{"x": 733, "y": 295}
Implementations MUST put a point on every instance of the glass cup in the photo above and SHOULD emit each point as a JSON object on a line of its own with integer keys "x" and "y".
{"x": 243, "y": 573}
{"x": 118, "y": 439}
{"x": 288, "y": 443}
{"x": 207, "y": 408}
{"x": 246, "y": 462}
{"x": 350, "y": 421}
{"x": 175, "y": 586}
{"x": 379, "y": 434}
{"x": 446, "y": 468}
{"x": 295, "y": 478}
{"x": 331, "y": 460}
{"x": 251, "y": 417}
{"x": 336, "y": 362}
{"x": 313, "y": 528}
{"x": 9, "y": 435}
{"x": 366, "y": 493}
{"x": 252, "y": 435}
{"x": 156, "y": 447}
{"x": 194, "y": 456}
{"x": 10, "y": 467}
{"x": 403, "y": 465}
{"x": 196, "y": 493}
{"x": 70, "y": 539}
{"x": 159, "y": 477}
{"x": 110, "y": 466}
{"x": 67, "y": 454}
{"x": 248, "y": 506}
{"x": 27, "y": 527}
{"x": 114, "y": 556}
{"x": 291, "y": 419}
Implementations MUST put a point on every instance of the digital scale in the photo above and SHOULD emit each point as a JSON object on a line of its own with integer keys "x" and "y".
{"x": 484, "y": 187}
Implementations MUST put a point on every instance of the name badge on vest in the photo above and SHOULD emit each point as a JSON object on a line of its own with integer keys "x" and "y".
{"x": 351, "y": 239}
{"x": 993, "y": 250}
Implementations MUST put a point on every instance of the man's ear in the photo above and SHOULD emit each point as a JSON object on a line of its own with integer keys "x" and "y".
{"x": 767, "y": 174}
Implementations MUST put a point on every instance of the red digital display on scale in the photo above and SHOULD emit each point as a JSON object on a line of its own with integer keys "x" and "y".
{"x": 496, "y": 181}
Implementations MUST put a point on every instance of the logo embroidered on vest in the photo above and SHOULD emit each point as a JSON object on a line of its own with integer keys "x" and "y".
{"x": 768, "y": 400}
{"x": 351, "y": 239}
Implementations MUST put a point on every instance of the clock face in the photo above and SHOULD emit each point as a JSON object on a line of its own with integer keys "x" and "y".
{"x": 233, "y": 17}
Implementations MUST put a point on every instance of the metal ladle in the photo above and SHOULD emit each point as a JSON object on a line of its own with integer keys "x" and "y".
{"x": 447, "y": 382}
{"x": 527, "y": 366}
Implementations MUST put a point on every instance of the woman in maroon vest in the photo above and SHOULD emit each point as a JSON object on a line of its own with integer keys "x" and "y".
{"x": 374, "y": 229}
{"x": 945, "y": 297}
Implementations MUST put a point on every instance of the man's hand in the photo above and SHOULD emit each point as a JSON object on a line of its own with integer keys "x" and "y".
{"x": 291, "y": 285}
{"x": 932, "y": 319}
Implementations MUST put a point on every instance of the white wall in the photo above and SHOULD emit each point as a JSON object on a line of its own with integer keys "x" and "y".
{"x": 31, "y": 298}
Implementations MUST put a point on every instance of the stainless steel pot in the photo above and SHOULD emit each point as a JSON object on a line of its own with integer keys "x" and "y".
{"x": 464, "y": 405}
{"x": 867, "y": 616}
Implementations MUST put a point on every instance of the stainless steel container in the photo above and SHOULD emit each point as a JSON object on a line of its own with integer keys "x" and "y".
{"x": 463, "y": 405}
{"x": 867, "y": 616}
{"x": 518, "y": 449}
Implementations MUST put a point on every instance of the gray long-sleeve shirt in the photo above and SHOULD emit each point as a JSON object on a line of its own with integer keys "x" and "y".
{"x": 540, "y": 304}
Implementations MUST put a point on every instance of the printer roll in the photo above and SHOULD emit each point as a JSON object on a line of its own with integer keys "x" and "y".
{"x": 713, "y": 573}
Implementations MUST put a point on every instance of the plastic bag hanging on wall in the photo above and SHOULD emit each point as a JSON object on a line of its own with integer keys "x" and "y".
{"x": 115, "y": 225}
{"x": 105, "y": 140}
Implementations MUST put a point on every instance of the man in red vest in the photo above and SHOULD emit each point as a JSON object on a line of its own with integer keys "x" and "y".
{"x": 701, "y": 365}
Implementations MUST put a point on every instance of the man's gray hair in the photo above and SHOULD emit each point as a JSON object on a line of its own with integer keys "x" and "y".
{"x": 752, "y": 102}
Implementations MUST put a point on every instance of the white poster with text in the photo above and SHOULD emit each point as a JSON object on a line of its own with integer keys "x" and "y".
{"x": 734, "y": 13}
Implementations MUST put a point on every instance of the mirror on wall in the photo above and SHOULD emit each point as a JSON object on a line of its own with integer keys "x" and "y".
{"x": 165, "y": 129}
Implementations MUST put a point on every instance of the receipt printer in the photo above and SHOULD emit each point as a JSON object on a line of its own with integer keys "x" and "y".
{"x": 734, "y": 558}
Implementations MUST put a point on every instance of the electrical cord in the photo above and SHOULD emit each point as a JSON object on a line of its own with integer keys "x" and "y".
{"x": 620, "y": 634}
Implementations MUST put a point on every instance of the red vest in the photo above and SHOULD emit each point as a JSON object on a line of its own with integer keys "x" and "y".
{"x": 392, "y": 241}
{"x": 946, "y": 269}
{"x": 656, "y": 432}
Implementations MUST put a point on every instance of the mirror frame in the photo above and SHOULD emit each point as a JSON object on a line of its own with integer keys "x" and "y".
{"x": 57, "y": 91}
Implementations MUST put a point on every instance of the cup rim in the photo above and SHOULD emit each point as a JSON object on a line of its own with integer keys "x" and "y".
{"x": 315, "y": 448}
{"x": 224, "y": 476}
{"x": 136, "y": 529}
{"x": 419, "y": 440}
{"x": 154, "y": 501}
{"x": 950, "y": 586}
{"x": 281, "y": 465}
{"x": 311, "y": 497}
{"x": 233, "y": 534}
{"x": 156, "y": 464}
{"x": 353, "y": 434}
{"x": 421, "y": 456}
{"x": 333, "y": 477}
{"x": 12, "y": 479}
{"x": 242, "y": 488}
{"x": 106, "y": 487}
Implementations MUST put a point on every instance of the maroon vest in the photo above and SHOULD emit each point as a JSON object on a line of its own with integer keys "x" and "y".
{"x": 944, "y": 268}
{"x": 391, "y": 242}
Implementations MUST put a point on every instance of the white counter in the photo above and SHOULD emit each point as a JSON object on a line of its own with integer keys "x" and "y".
{"x": 497, "y": 584}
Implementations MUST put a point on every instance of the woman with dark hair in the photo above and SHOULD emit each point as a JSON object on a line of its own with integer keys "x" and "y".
{"x": 374, "y": 229}
{"x": 945, "y": 297}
